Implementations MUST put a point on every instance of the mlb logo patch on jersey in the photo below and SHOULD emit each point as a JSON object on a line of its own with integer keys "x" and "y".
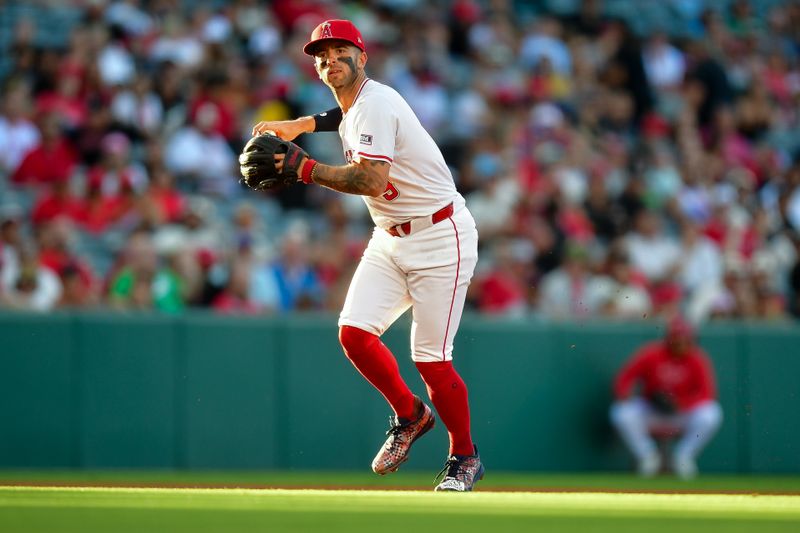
{"x": 366, "y": 139}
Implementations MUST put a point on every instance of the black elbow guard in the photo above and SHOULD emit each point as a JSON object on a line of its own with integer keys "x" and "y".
{"x": 328, "y": 120}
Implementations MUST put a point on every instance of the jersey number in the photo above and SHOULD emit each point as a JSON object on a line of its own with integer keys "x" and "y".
{"x": 390, "y": 193}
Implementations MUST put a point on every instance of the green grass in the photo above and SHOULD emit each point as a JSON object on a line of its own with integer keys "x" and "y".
{"x": 403, "y": 479}
{"x": 232, "y": 510}
{"x": 100, "y": 509}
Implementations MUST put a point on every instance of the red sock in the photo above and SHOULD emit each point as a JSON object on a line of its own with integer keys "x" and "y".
{"x": 449, "y": 395}
{"x": 376, "y": 363}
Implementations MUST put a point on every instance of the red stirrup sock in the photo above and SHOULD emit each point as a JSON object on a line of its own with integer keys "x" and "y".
{"x": 376, "y": 363}
{"x": 449, "y": 395}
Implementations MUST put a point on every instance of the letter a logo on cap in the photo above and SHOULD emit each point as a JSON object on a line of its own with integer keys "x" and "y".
{"x": 334, "y": 29}
{"x": 326, "y": 31}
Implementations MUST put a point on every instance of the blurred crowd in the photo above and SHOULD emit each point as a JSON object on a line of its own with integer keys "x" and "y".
{"x": 614, "y": 170}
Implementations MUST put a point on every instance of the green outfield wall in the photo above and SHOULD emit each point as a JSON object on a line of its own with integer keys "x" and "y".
{"x": 204, "y": 391}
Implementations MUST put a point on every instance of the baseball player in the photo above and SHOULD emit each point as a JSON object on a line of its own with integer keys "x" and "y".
{"x": 678, "y": 396}
{"x": 421, "y": 255}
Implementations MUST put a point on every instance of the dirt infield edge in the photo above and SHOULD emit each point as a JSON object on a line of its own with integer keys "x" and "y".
{"x": 604, "y": 490}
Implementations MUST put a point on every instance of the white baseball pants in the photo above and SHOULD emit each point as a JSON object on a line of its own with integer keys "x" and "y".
{"x": 635, "y": 418}
{"x": 429, "y": 271}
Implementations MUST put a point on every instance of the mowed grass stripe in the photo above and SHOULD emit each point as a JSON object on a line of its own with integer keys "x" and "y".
{"x": 408, "y": 480}
{"x": 784, "y": 508}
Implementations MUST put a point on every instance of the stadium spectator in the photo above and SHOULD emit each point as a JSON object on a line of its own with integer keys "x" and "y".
{"x": 664, "y": 64}
{"x": 97, "y": 212}
{"x": 30, "y": 286}
{"x": 621, "y": 293}
{"x": 543, "y": 44}
{"x": 169, "y": 202}
{"x": 653, "y": 253}
{"x": 560, "y": 124}
{"x": 501, "y": 289}
{"x": 568, "y": 292}
{"x": 51, "y": 160}
{"x": 56, "y": 202}
{"x": 197, "y": 229}
{"x": 115, "y": 170}
{"x": 11, "y": 220}
{"x": 337, "y": 252}
{"x": 493, "y": 202}
{"x": 677, "y": 396}
{"x": 235, "y": 296}
{"x": 200, "y": 157}
{"x": 290, "y": 282}
{"x": 138, "y": 108}
{"x": 65, "y": 101}
{"x": 701, "y": 261}
{"x": 141, "y": 283}
{"x": 56, "y": 252}
{"x": 18, "y": 134}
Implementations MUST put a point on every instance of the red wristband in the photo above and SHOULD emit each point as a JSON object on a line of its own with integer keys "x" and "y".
{"x": 307, "y": 171}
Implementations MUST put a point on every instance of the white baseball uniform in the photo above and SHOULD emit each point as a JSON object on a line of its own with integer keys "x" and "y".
{"x": 430, "y": 264}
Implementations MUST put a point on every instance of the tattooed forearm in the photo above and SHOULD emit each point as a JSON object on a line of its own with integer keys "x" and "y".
{"x": 368, "y": 177}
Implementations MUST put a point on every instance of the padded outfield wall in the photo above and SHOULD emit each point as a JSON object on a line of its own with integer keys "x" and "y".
{"x": 204, "y": 391}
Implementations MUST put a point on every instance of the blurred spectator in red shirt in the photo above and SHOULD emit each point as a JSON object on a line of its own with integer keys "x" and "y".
{"x": 53, "y": 160}
{"x": 501, "y": 290}
{"x": 168, "y": 201}
{"x": 112, "y": 187}
{"x": 677, "y": 394}
{"x": 211, "y": 95}
{"x": 59, "y": 201}
{"x": 65, "y": 102}
{"x": 55, "y": 252}
{"x": 97, "y": 212}
{"x": 235, "y": 297}
{"x": 115, "y": 169}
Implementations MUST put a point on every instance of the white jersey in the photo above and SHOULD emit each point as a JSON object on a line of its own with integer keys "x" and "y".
{"x": 380, "y": 125}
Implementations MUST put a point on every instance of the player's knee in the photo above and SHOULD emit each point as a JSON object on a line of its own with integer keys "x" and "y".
{"x": 433, "y": 372}
{"x": 708, "y": 416}
{"x": 623, "y": 413}
{"x": 355, "y": 340}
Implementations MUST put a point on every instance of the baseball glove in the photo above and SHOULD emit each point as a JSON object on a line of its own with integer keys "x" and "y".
{"x": 663, "y": 403}
{"x": 257, "y": 162}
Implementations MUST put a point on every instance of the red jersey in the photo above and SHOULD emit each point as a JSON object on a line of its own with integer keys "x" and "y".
{"x": 51, "y": 206}
{"x": 46, "y": 165}
{"x": 688, "y": 379}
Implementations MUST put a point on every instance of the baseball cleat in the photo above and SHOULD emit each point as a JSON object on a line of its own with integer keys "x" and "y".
{"x": 684, "y": 466}
{"x": 649, "y": 465}
{"x": 461, "y": 472}
{"x": 402, "y": 435}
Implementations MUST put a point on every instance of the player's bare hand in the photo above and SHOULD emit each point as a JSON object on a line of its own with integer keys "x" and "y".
{"x": 287, "y": 130}
{"x": 279, "y": 163}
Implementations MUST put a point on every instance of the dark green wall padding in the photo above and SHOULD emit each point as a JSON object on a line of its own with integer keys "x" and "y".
{"x": 204, "y": 391}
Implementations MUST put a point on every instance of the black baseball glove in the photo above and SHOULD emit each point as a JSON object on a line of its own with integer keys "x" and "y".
{"x": 257, "y": 162}
{"x": 663, "y": 403}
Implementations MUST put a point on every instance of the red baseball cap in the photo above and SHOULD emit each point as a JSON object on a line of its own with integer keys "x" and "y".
{"x": 335, "y": 29}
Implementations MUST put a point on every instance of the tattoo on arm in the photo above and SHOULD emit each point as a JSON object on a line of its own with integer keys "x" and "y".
{"x": 368, "y": 177}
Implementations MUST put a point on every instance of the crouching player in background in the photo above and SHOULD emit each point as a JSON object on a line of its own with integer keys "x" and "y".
{"x": 677, "y": 396}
